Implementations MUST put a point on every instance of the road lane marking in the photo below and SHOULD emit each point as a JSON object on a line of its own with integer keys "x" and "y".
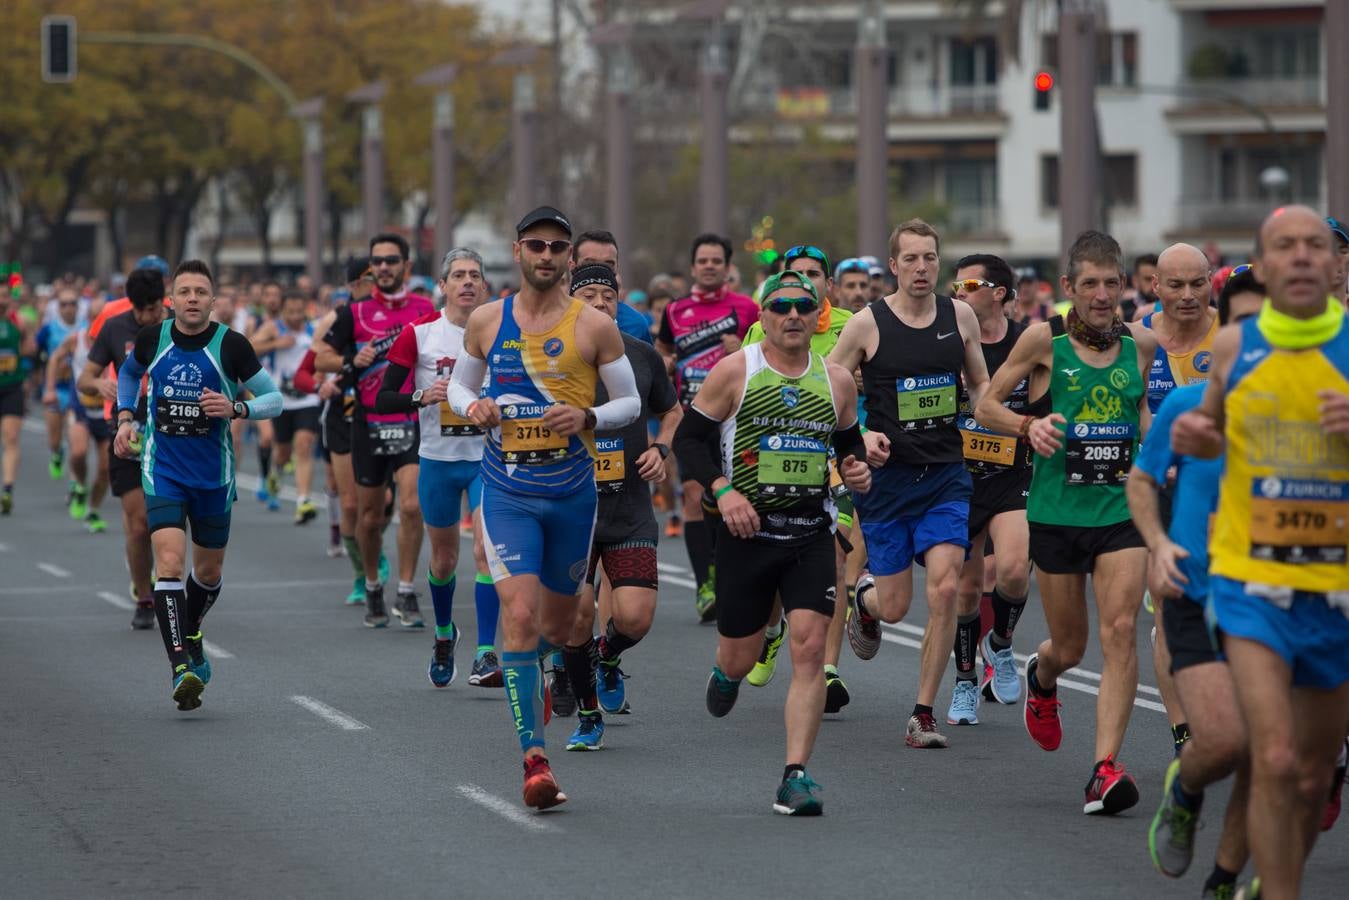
{"x": 54, "y": 571}
{"x": 504, "y": 808}
{"x": 672, "y": 568}
{"x": 328, "y": 714}
{"x": 218, "y": 651}
{"x": 116, "y": 600}
{"x": 4, "y": 548}
{"x": 682, "y": 582}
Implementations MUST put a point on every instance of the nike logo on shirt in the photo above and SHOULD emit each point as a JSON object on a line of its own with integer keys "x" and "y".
{"x": 942, "y": 337}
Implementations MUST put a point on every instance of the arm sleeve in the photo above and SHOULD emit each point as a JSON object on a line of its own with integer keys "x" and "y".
{"x": 848, "y": 442}
{"x": 266, "y": 402}
{"x": 240, "y": 359}
{"x": 624, "y": 404}
{"x": 343, "y": 329}
{"x": 693, "y": 447}
{"x": 305, "y": 379}
{"x": 129, "y": 382}
{"x": 465, "y": 382}
{"x": 391, "y": 398}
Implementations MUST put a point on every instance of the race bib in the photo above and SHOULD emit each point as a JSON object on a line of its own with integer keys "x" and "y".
{"x": 9, "y": 362}
{"x": 181, "y": 418}
{"x": 983, "y": 446}
{"x": 526, "y": 441}
{"x": 836, "y": 486}
{"x": 609, "y": 465}
{"x": 1097, "y": 455}
{"x": 1299, "y": 521}
{"x": 348, "y": 405}
{"x": 691, "y": 379}
{"x": 791, "y": 466}
{"x": 92, "y": 402}
{"x": 452, "y": 425}
{"x": 926, "y": 401}
{"x": 390, "y": 438}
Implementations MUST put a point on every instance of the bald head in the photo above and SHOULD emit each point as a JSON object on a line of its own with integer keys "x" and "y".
{"x": 1181, "y": 256}
{"x": 1183, "y": 284}
{"x": 1295, "y": 258}
{"x": 1294, "y": 214}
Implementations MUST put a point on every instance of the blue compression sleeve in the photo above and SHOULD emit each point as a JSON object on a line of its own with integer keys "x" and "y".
{"x": 129, "y": 383}
{"x": 266, "y": 402}
{"x": 524, "y": 694}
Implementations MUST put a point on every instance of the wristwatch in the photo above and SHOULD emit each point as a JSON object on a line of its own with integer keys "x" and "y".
{"x": 417, "y": 398}
{"x": 240, "y": 410}
{"x": 662, "y": 449}
{"x": 590, "y": 420}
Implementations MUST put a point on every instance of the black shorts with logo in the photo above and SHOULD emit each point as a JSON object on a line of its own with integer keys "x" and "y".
{"x": 1187, "y": 634}
{"x": 374, "y": 460}
{"x": 334, "y": 431}
{"x": 1072, "y": 550}
{"x": 997, "y": 494}
{"x": 124, "y": 475}
{"x": 751, "y": 573}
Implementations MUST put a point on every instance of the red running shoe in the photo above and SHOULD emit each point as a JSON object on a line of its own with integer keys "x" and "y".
{"x": 541, "y": 790}
{"x": 1042, "y": 713}
{"x": 1111, "y": 789}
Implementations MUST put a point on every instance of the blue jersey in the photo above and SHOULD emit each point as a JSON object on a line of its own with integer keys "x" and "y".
{"x": 50, "y": 336}
{"x": 1197, "y": 480}
{"x": 632, "y": 322}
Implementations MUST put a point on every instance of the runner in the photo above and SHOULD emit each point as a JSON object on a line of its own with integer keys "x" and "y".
{"x": 1179, "y": 573}
{"x": 626, "y": 462}
{"x": 913, "y": 348}
{"x": 538, "y": 499}
{"x": 282, "y": 343}
{"x": 1087, "y": 385}
{"x": 383, "y": 447}
{"x": 87, "y": 421}
{"x": 1141, "y": 297}
{"x": 852, "y": 284}
{"x": 776, "y": 407}
{"x": 1001, "y": 471}
{"x": 600, "y": 247}
{"x": 111, "y": 346}
{"x": 16, "y": 343}
{"x": 1278, "y": 403}
{"x": 450, "y": 461}
{"x": 194, "y": 367}
{"x": 58, "y": 403}
{"x": 694, "y": 333}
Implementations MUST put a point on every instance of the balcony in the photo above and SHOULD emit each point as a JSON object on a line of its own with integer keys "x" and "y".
{"x": 1266, "y": 93}
{"x": 1213, "y": 216}
{"x": 938, "y": 101}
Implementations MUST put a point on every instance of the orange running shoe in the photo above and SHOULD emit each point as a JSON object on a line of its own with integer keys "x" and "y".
{"x": 674, "y": 528}
{"x": 541, "y": 790}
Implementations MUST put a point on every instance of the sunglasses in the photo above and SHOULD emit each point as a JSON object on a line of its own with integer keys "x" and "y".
{"x": 852, "y": 265}
{"x": 376, "y": 261}
{"x": 538, "y": 245}
{"x": 1237, "y": 270}
{"x": 970, "y": 285}
{"x": 807, "y": 250}
{"x": 803, "y": 305}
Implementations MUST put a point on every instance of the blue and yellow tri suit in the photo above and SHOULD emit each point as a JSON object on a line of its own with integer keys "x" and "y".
{"x": 1172, "y": 370}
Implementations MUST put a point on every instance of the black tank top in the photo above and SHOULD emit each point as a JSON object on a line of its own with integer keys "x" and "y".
{"x": 912, "y": 385}
{"x": 982, "y": 461}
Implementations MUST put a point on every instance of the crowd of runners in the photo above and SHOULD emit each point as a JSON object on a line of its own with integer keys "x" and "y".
{"x": 1180, "y": 444}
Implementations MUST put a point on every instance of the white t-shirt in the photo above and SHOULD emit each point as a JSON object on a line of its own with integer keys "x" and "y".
{"x": 429, "y": 346}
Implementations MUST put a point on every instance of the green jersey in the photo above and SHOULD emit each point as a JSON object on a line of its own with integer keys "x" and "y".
{"x": 1082, "y": 484}
{"x": 11, "y": 357}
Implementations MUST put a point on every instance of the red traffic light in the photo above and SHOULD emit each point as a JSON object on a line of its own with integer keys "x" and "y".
{"x": 1043, "y": 81}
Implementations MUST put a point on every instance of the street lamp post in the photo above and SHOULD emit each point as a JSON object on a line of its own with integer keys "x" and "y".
{"x": 1081, "y": 202}
{"x": 871, "y": 61}
{"x": 1337, "y": 106}
{"x": 524, "y": 168}
{"x": 715, "y": 177}
{"x": 372, "y": 153}
{"x": 442, "y": 155}
{"x": 618, "y": 194}
{"x": 308, "y": 114}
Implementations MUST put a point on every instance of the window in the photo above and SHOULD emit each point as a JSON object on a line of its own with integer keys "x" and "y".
{"x": 1116, "y": 57}
{"x": 1119, "y": 179}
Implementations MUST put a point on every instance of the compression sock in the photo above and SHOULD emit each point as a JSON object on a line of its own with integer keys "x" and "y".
{"x": 580, "y": 665}
{"x": 334, "y": 508}
{"x": 442, "y": 599}
{"x": 615, "y": 643}
{"x": 169, "y": 602}
{"x": 264, "y": 462}
{"x": 1006, "y": 612}
{"x": 354, "y": 554}
{"x": 698, "y": 541}
{"x": 524, "y": 696}
{"x": 488, "y": 606}
{"x": 1184, "y": 799}
{"x": 1219, "y": 877}
{"x": 200, "y": 599}
{"x": 967, "y": 634}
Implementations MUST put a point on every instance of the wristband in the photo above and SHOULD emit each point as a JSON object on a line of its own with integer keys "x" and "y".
{"x": 717, "y": 495}
{"x": 1026, "y": 421}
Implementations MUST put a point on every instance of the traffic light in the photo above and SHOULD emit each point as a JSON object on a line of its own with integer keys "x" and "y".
{"x": 1044, "y": 84}
{"x": 58, "y": 48}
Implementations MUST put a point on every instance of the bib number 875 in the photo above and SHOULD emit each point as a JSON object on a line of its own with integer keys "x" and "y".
{"x": 798, "y": 466}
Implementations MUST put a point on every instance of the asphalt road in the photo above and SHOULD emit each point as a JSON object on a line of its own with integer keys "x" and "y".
{"x": 323, "y": 762}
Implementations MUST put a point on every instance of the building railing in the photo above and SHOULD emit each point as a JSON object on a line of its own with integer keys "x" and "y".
{"x": 1261, "y": 91}
{"x": 1225, "y": 214}
{"x": 934, "y": 101}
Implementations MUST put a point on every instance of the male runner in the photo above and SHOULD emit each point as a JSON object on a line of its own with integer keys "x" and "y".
{"x": 1000, "y": 467}
{"x": 111, "y": 346}
{"x": 598, "y": 247}
{"x": 776, "y": 407}
{"x": 1141, "y": 298}
{"x": 450, "y": 461}
{"x": 1179, "y": 575}
{"x": 852, "y": 284}
{"x": 194, "y": 368}
{"x": 282, "y": 343}
{"x": 87, "y": 422}
{"x": 1088, "y": 386}
{"x": 913, "y": 347}
{"x": 383, "y": 446}
{"x": 695, "y": 333}
{"x": 1277, "y": 403}
{"x": 626, "y": 461}
{"x": 16, "y": 343}
{"x": 61, "y": 398}
{"x": 543, "y": 350}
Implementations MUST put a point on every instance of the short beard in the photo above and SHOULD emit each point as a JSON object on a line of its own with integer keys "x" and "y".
{"x": 397, "y": 285}
{"x": 543, "y": 284}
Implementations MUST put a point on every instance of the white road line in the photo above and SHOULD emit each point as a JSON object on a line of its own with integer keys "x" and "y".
{"x": 54, "y": 571}
{"x": 671, "y": 568}
{"x": 116, "y": 600}
{"x": 4, "y": 548}
{"x": 328, "y": 714}
{"x": 248, "y": 483}
{"x": 682, "y": 582}
{"x": 504, "y": 808}
{"x": 218, "y": 651}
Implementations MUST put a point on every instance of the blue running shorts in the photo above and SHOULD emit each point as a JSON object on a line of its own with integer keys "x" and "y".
{"x": 548, "y": 537}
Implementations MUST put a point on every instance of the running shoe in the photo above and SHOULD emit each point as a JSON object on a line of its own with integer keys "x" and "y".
{"x": 6, "y": 502}
{"x": 196, "y": 659}
{"x": 441, "y": 670}
{"x": 273, "y": 503}
{"x": 541, "y": 790}
{"x": 1179, "y": 735}
{"x": 706, "y": 602}
{"x": 187, "y": 688}
{"x": 564, "y": 701}
{"x": 1248, "y": 891}
{"x": 406, "y": 609}
{"x": 486, "y": 671}
{"x": 143, "y": 619}
{"x": 609, "y": 690}
{"x": 767, "y": 665}
{"x": 375, "y": 614}
{"x": 305, "y": 512}
{"x": 335, "y": 548}
{"x": 964, "y": 704}
{"x": 1111, "y": 790}
{"x": 589, "y": 734}
{"x": 1149, "y": 606}
{"x": 79, "y": 502}
{"x": 273, "y": 484}
{"x": 864, "y": 631}
{"x": 357, "y": 595}
{"x": 798, "y": 796}
{"x": 95, "y": 523}
{"x": 1171, "y": 835}
{"x": 466, "y": 524}
{"x": 923, "y": 734}
{"x": 56, "y": 466}
{"x": 721, "y": 693}
{"x": 1332, "y": 810}
{"x": 1043, "y": 722}
{"x": 673, "y": 527}
{"x": 261, "y": 492}
{"x": 1001, "y": 679}
{"x": 1221, "y": 892}
{"x": 835, "y": 691}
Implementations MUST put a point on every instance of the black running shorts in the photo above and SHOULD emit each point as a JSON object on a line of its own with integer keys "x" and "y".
{"x": 751, "y": 573}
{"x": 293, "y": 420}
{"x": 124, "y": 475}
{"x": 1187, "y": 634}
{"x": 1072, "y": 550}
{"x": 995, "y": 495}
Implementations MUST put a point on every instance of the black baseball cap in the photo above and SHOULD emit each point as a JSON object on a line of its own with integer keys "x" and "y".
{"x": 1337, "y": 227}
{"x": 540, "y": 215}
{"x": 357, "y": 266}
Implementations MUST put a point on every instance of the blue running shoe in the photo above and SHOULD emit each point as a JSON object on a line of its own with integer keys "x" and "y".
{"x": 721, "y": 692}
{"x": 486, "y": 671}
{"x": 197, "y": 661}
{"x": 441, "y": 670}
{"x": 187, "y": 688}
{"x": 609, "y": 688}
{"x": 964, "y": 704}
{"x": 798, "y": 795}
{"x": 589, "y": 735}
{"x": 357, "y": 595}
{"x": 262, "y": 494}
{"x": 273, "y": 503}
{"x": 1004, "y": 683}
{"x": 383, "y": 568}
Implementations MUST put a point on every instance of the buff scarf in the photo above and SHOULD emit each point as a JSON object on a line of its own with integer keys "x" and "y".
{"x": 1289, "y": 333}
{"x": 1094, "y": 338}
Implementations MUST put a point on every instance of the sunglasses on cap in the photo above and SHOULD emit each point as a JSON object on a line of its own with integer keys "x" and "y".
{"x": 538, "y": 245}
{"x": 377, "y": 261}
{"x": 804, "y": 306}
{"x": 1238, "y": 270}
{"x": 852, "y": 264}
{"x": 809, "y": 251}
{"x": 970, "y": 285}
{"x": 1337, "y": 226}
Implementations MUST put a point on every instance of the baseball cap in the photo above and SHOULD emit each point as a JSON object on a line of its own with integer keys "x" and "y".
{"x": 357, "y": 267}
{"x": 786, "y": 279}
{"x": 540, "y": 215}
{"x": 1341, "y": 232}
{"x": 153, "y": 262}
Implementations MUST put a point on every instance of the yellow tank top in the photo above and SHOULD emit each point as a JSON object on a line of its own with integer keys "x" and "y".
{"x": 1283, "y": 510}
